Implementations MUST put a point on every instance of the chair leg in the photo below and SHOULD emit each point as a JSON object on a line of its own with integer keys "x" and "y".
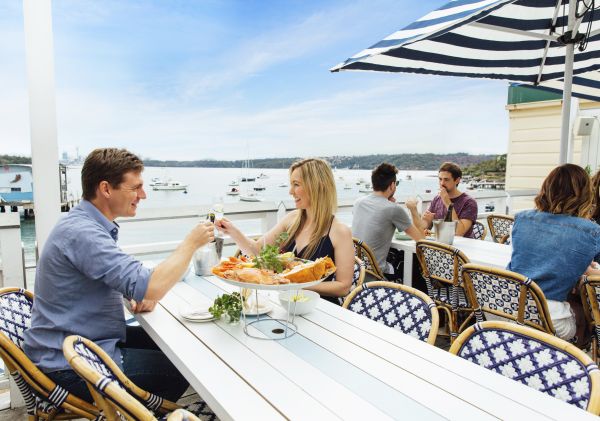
{"x": 595, "y": 350}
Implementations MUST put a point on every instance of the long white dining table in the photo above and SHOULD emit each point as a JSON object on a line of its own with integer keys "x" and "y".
{"x": 340, "y": 365}
{"x": 482, "y": 252}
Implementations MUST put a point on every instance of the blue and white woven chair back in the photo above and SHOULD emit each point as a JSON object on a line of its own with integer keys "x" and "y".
{"x": 358, "y": 276}
{"x": 478, "y": 231}
{"x": 500, "y": 227}
{"x": 96, "y": 363}
{"x": 501, "y": 295}
{"x": 15, "y": 315}
{"x": 364, "y": 253}
{"x": 440, "y": 264}
{"x": 395, "y": 306}
{"x": 534, "y": 358}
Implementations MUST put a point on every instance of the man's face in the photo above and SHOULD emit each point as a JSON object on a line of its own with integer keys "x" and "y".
{"x": 447, "y": 182}
{"x": 125, "y": 198}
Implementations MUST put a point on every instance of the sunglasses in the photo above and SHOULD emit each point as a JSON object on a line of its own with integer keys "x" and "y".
{"x": 397, "y": 182}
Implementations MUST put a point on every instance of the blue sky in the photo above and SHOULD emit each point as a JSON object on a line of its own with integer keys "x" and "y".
{"x": 174, "y": 79}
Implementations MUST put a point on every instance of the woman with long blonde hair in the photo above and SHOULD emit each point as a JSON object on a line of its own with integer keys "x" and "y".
{"x": 313, "y": 230}
{"x": 555, "y": 243}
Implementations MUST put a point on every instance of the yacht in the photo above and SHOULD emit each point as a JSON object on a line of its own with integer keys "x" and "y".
{"x": 234, "y": 183}
{"x": 170, "y": 185}
{"x": 233, "y": 191}
{"x": 262, "y": 175}
{"x": 259, "y": 187}
{"x": 250, "y": 197}
{"x": 157, "y": 181}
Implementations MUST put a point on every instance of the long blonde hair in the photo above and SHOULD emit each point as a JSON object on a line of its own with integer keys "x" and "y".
{"x": 317, "y": 179}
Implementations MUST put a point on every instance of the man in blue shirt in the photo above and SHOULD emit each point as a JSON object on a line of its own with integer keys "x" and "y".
{"x": 83, "y": 276}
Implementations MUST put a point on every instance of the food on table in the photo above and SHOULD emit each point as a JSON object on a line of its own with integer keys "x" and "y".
{"x": 295, "y": 271}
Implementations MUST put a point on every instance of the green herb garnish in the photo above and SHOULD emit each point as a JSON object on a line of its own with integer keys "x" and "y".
{"x": 269, "y": 255}
{"x": 230, "y": 304}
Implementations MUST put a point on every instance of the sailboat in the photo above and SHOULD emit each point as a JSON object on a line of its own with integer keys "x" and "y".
{"x": 250, "y": 197}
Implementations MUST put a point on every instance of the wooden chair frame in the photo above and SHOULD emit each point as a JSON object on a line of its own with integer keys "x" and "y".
{"x": 525, "y": 286}
{"x": 594, "y": 376}
{"x": 498, "y": 237}
{"x": 484, "y": 231}
{"x": 364, "y": 253}
{"x": 591, "y": 309}
{"x": 16, "y": 361}
{"x": 435, "y": 318}
{"x": 113, "y": 398}
{"x": 455, "y": 282}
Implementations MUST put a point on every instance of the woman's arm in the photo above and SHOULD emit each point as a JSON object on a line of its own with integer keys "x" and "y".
{"x": 341, "y": 238}
{"x": 247, "y": 245}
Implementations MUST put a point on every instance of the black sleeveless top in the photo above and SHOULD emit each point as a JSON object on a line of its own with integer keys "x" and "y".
{"x": 324, "y": 248}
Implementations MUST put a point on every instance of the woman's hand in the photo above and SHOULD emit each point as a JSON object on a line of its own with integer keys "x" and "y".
{"x": 225, "y": 226}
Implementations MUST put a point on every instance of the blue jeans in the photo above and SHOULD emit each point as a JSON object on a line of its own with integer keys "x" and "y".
{"x": 143, "y": 363}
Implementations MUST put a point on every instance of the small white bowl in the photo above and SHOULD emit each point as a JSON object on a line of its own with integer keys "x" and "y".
{"x": 299, "y": 307}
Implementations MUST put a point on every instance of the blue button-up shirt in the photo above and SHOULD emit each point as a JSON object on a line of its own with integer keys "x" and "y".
{"x": 81, "y": 279}
{"x": 553, "y": 250}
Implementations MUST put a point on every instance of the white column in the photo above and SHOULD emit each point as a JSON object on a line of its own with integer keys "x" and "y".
{"x": 42, "y": 115}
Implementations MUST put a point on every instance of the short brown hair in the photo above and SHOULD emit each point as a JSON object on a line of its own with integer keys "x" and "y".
{"x": 383, "y": 176}
{"x": 107, "y": 164}
{"x": 452, "y": 168}
{"x": 567, "y": 190}
{"x": 596, "y": 195}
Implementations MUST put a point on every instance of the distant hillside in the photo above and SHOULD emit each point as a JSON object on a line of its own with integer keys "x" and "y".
{"x": 13, "y": 159}
{"x": 493, "y": 169}
{"x": 428, "y": 161}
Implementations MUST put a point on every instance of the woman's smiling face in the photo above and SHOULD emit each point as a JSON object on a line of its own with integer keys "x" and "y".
{"x": 298, "y": 191}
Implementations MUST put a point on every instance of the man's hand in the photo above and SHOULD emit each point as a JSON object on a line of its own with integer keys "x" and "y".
{"x": 411, "y": 204}
{"x": 392, "y": 199}
{"x": 444, "y": 196}
{"x": 144, "y": 306}
{"x": 203, "y": 233}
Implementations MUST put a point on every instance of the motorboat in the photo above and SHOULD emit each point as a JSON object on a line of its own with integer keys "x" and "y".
{"x": 250, "y": 197}
{"x": 262, "y": 175}
{"x": 234, "y": 191}
{"x": 157, "y": 181}
{"x": 283, "y": 185}
{"x": 234, "y": 183}
{"x": 347, "y": 186}
{"x": 171, "y": 185}
{"x": 248, "y": 179}
{"x": 408, "y": 177}
{"x": 366, "y": 189}
{"x": 259, "y": 187}
{"x": 490, "y": 207}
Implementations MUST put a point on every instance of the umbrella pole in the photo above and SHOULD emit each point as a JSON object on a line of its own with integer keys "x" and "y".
{"x": 565, "y": 127}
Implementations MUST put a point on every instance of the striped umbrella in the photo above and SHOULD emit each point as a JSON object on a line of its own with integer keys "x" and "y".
{"x": 537, "y": 42}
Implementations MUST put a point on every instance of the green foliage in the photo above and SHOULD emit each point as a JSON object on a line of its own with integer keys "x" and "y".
{"x": 427, "y": 161}
{"x": 230, "y": 304}
{"x": 492, "y": 168}
{"x": 12, "y": 159}
{"x": 269, "y": 255}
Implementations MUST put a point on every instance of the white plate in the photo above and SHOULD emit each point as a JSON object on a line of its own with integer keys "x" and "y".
{"x": 197, "y": 314}
{"x": 264, "y": 306}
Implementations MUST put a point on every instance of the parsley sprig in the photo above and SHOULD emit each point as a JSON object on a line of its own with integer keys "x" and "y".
{"x": 230, "y": 304}
{"x": 269, "y": 255}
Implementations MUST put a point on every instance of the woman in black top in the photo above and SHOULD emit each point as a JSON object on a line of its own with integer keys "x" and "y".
{"x": 313, "y": 229}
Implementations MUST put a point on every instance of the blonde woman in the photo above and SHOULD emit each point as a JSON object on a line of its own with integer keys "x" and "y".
{"x": 554, "y": 244}
{"x": 313, "y": 229}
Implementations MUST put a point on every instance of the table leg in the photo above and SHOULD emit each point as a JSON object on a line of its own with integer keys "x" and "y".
{"x": 408, "y": 268}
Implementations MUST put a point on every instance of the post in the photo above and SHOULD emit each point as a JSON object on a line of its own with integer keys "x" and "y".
{"x": 39, "y": 52}
{"x": 565, "y": 128}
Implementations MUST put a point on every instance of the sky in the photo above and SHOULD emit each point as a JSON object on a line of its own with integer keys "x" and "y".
{"x": 232, "y": 79}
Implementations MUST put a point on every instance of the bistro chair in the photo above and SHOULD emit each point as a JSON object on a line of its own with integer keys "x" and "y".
{"x": 364, "y": 253}
{"x": 534, "y": 358}
{"x": 116, "y": 395}
{"x": 44, "y": 399}
{"x": 479, "y": 231}
{"x": 590, "y": 297}
{"x": 358, "y": 277}
{"x": 441, "y": 266}
{"x": 507, "y": 294}
{"x": 397, "y": 306}
{"x": 500, "y": 227}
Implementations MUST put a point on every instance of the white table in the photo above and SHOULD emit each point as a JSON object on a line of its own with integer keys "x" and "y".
{"x": 478, "y": 251}
{"x": 339, "y": 366}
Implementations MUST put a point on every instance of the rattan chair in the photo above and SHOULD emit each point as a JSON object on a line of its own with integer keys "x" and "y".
{"x": 364, "y": 253}
{"x": 397, "y": 306}
{"x": 534, "y": 358}
{"x": 479, "y": 231}
{"x": 113, "y": 392}
{"x": 358, "y": 277}
{"x": 507, "y": 294}
{"x": 500, "y": 227}
{"x": 590, "y": 298}
{"x": 44, "y": 399}
{"x": 441, "y": 267}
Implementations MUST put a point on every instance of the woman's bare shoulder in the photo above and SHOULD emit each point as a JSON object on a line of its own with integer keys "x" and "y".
{"x": 340, "y": 230}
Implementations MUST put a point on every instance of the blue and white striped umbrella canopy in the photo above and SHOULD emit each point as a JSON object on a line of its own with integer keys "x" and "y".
{"x": 514, "y": 40}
